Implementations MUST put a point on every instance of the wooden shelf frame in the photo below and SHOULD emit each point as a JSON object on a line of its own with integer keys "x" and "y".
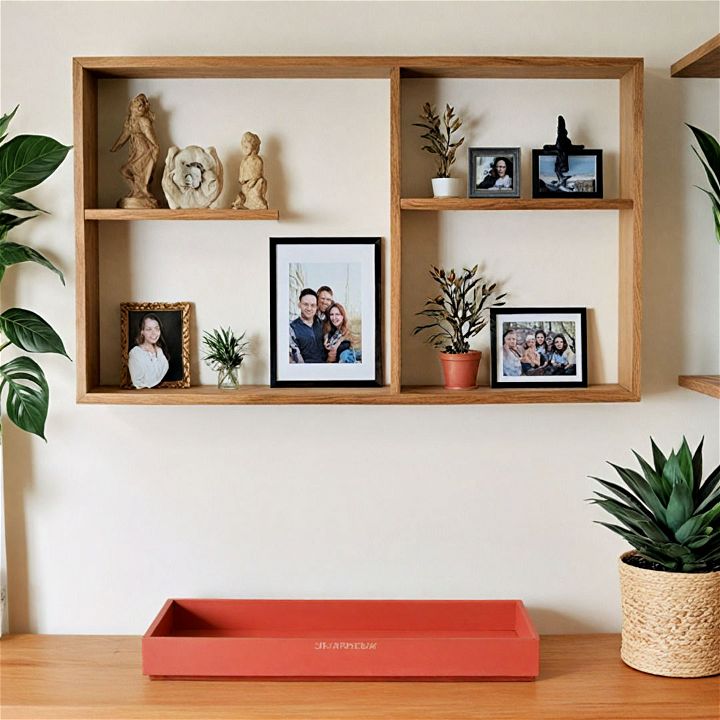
{"x": 629, "y": 206}
{"x": 705, "y": 384}
{"x": 702, "y": 62}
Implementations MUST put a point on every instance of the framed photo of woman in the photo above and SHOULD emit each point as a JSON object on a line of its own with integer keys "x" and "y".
{"x": 538, "y": 347}
{"x": 325, "y": 312}
{"x": 155, "y": 346}
{"x": 494, "y": 172}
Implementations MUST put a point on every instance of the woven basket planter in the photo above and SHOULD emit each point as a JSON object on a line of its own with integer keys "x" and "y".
{"x": 671, "y": 621}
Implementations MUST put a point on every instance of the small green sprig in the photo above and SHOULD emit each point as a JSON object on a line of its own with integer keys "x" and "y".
{"x": 668, "y": 514}
{"x": 224, "y": 351}
{"x": 440, "y": 139}
{"x": 461, "y": 311}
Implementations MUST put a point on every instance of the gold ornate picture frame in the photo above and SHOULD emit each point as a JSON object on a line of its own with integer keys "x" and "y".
{"x": 172, "y": 347}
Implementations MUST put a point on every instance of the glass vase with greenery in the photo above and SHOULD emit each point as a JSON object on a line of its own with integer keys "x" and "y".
{"x": 460, "y": 311}
{"x": 224, "y": 353}
{"x": 25, "y": 162}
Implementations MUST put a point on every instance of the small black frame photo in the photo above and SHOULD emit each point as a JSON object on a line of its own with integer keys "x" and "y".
{"x": 325, "y": 312}
{"x": 538, "y": 347}
{"x": 494, "y": 172}
{"x": 577, "y": 174}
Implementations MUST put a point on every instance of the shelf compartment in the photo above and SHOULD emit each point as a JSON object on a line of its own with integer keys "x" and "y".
{"x": 409, "y": 395}
{"x": 703, "y": 62}
{"x": 186, "y": 214}
{"x": 514, "y": 204}
{"x": 705, "y": 384}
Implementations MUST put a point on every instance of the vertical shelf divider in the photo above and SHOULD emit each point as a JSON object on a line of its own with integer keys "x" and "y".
{"x": 395, "y": 235}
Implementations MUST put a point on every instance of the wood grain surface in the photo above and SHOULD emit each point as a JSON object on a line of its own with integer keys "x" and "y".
{"x": 438, "y": 204}
{"x": 99, "y": 678}
{"x": 703, "y": 61}
{"x": 705, "y": 384}
{"x": 181, "y": 214}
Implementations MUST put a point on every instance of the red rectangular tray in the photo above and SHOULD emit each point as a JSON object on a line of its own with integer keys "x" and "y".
{"x": 342, "y": 639}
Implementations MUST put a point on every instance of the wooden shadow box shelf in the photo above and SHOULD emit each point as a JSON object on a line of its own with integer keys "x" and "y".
{"x": 626, "y": 72}
{"x": 408, "y": 395}
{"x": 342, "y": 639}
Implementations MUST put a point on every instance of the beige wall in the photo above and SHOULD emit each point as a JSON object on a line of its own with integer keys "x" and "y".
{"x": 126, "y": 506}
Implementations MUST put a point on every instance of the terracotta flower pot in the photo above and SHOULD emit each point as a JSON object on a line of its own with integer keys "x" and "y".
{"x": 460, "y": 370}
{"x": 671, "y": 621}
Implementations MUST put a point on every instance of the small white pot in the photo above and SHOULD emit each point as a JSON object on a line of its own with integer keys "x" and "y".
{"x": 447, "y": 187}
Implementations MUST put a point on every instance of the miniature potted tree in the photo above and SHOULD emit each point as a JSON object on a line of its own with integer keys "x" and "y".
{"x": 458, "y": 314}
{"x": 440, "y": 144}
{"x": 224, "y": 353}
{"x": 670, "y": 584}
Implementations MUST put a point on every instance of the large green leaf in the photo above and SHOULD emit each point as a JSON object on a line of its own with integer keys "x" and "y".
{"x": 643, "y": 490}
{"x": 8, "y": 221}
{"x": 30, "y": 332}
{"x": 5, "y": 121}
{"x": 658, "y": 458}
{"x": 685, "y": 461}
{"x": 12, "y": 253}
{"x": 710, "y": 148}
{"x": 680, "y": 506}
{"x": 27, "y": 160}
{"x": 697, "y": 466}
{"x": 28, "y": 394}
{"x": 709, "y": 486}
{"x": 12, "y": 202}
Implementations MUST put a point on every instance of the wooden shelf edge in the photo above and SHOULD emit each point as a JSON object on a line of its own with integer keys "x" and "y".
{"x": 705, "y": 384}
{"x": 408, "y": 395}
{"x": 190, "y": 214}
{"x": 439, "y": 204}
{"x": 702, "y": 62}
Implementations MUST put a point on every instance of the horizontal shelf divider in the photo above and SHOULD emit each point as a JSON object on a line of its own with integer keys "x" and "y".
{"x": 705, "y": 384}
{"x": 409, "y": 395}
{"x": 185, "y": 214}
{"x": 515, "y": 204}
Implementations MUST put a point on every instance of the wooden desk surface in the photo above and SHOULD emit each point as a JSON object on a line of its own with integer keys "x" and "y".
{"x": 98, "y": 677}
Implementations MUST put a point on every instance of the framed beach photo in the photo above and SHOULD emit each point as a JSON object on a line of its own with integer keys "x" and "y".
{"x": 577, "y": 174}
{"x": 538, "y": 347}
{"x": 494, "y": 172}
{"x": 155, "y": 345}
{"x": 325, "y": 312}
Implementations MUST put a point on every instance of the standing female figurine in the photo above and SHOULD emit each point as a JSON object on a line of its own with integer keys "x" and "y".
{"x": 144, "y": 152}
{"x": 148, "y": 360}
{"x": 253, "y": 185}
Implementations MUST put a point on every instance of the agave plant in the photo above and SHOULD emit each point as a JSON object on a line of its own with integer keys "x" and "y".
{"x": 25, "y": 161}
{"x": 461, "y": 311}
{"x": 225, "y": 353}
{"x": 711, "y": 150}
{"x": 440, "y": 139}
{"x": 668, "y": 514}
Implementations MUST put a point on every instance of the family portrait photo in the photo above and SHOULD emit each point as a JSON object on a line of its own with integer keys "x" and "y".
{"x": 557, "y": 174}
{"x": 538, "y": 346}
{"x": 325, "y": 305}
{"x": 494, "y": 172}
{"x": 155, "y": 341}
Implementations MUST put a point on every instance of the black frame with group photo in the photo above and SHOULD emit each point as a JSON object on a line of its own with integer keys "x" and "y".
{"x": 325, "y": 312}
{"x": 559, "y": 363}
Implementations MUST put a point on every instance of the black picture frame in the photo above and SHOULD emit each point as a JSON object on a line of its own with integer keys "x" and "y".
{"x": 532, "y": 320}
{"x": 486, "y": 156}
{"x": 541, "y": 189}
{"x": 365, "y": 251}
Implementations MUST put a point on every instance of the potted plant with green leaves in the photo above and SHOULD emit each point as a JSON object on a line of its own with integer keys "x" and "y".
{"x": 25, "y": 162}
{"x": 456, "y": 316}
{"x": 440, "y": 142}
{"x": 224, "y": 353}
{"x": 711, "y": 163}
{"x": 670, "y": 584}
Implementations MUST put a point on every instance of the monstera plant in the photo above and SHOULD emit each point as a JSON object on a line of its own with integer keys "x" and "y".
{"x": 25, "y": 162}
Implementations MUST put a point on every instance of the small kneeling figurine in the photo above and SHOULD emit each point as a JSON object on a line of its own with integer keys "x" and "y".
{"x": 253, "y": 185}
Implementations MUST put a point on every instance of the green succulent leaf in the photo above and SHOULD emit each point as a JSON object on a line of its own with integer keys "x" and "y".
{"x": 30, "y": 332}
{"x": 13, "y": 253}
{"x": 708, "y": 490}
{"x": 685, "y": 461}
{"x": 28, "y": 394}
{"x": 642, "y": 489}
{"x": 658, "y": 458}
{"x": 680, "y": 506}
{"x": 27, "y": 160}
{"x": 697, "y": 465}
